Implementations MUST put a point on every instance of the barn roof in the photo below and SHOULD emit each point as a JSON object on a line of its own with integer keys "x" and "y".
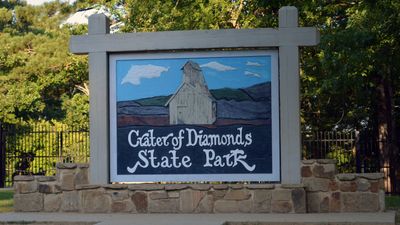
{"x": 191, "y": 64}
{"x": 194, "y": 80}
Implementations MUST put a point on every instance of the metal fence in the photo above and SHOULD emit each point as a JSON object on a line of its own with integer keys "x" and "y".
{"x": 333, "y": 145}
{"x": 35, "y": 149}
{"x": 355, "y": 153}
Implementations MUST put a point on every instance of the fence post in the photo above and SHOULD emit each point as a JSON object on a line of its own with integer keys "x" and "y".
{"x": 2, "y": 155}
{"x": 358, "y": 152}
{"x": 60, "y": 145}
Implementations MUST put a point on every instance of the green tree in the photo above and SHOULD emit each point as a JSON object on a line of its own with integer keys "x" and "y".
{"x": 351, "y": 80}
{"x": 157, "y": 15}
{"x": 37, "y": 72}
{"x": 10, "y": 4}
{"x": 5, "y": 18}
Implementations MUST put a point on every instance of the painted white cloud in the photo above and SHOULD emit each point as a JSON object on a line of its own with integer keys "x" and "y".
{"x": 253, "y": 64}
{"x": 218, "y": 66}
{"x": 138, "y": 72}
{"x": 248, "y": 73}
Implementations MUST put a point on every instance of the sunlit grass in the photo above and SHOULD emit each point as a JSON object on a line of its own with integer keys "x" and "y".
{"x": 6, "y": 201}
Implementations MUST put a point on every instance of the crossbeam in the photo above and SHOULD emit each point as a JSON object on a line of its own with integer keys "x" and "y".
{"x": 198, "y": 39}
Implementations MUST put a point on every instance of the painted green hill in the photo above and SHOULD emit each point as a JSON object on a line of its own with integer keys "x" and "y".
{"x": 153, "y": 101}
{"x": 246, "y": 94}
{"x": 230, "y": 94}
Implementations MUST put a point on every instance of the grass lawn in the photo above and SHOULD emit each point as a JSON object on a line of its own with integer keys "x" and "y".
{"x": 393, "y": 203}
{"x": 6, "y": 201}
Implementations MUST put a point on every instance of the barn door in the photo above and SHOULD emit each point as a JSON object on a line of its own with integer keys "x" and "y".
{"x": 181, "y": 114}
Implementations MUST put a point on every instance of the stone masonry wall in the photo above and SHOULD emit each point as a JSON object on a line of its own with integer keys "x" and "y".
{"x": 322, "y": 191}
{"x": 331, "y": 192}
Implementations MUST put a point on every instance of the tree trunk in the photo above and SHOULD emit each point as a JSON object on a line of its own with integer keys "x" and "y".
{"x": 386, "y": 135}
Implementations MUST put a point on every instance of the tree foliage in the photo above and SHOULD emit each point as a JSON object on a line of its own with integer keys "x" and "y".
{"x": 342, "y": 79}
{"x": 37, "y": 72}
{"x": 157, "y": 15}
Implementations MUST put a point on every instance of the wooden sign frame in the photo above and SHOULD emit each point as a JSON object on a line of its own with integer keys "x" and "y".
{"x": 287, "y": 38}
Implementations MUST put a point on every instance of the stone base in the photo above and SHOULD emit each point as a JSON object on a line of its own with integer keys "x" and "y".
{"x": 331, "y": 192}
{"x": 322, "y": 191}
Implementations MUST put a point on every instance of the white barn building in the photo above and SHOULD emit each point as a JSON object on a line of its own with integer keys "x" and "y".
{"x": 192, "y": 103}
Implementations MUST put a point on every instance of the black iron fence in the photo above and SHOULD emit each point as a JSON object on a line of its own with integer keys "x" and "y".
{"x": 35, "y": 149}
{"x": 333, "y": 145}
{"x": 355, "y": 153}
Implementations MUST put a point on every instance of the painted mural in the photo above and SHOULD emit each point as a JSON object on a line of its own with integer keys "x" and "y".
{"x": 193, "y": 116}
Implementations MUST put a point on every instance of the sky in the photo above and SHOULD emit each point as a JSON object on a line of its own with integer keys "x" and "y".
{"x": 39, "y": 2}
{"x": 143, "y": 78}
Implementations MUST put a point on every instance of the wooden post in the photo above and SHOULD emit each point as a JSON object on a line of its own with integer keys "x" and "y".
{"x": 99, "y": 110}
{"x": 289, "y": 92}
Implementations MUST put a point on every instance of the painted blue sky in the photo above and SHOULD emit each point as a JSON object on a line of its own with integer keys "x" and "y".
{"x": 143, "y": 78}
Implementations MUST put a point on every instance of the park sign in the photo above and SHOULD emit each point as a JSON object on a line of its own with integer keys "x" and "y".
{"x": 204, "y": 116}
{"x": 211, "y": 105}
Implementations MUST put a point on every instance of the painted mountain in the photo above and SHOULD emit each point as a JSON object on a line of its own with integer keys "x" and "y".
{"x": 251, "y": 105}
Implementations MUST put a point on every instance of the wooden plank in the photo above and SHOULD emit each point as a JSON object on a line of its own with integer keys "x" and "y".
{"x": 98, "y": 114}
{"x": 299, "y": 36}
{"x": 99, "y": 110}
{"x": 289, "y": 92}
{"x": 290, "y": 114}
{"x": 99, "y": 24}
{"x": 199, "y": 39}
